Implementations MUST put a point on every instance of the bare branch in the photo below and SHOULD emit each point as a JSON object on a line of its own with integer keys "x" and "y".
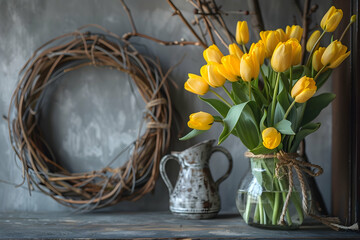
{"x": 127, "y": 36}
{"x": 256, "y": 19}
{"x": 178, "y": 12}
{"x": 127, "y": 10}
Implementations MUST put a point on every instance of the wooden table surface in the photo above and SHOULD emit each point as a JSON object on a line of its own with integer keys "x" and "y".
{"x": 148, "y": 225}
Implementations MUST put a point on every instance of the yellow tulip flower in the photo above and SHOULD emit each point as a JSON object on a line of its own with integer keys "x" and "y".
{"x": 312, "y": 40}
{"x": 295, "y": 31}
{"x": 282, "y": 56}
{"x": 270, "y": 40}
{"x": 271, "y": 138}
{"x": 334, "y": 54}
{"x": 212, "y": 54}
{"x": 282, "y": 35}
{"x": 211, "y": 75}
{"x": 196, "y": 84}
{"x": 249, "y": 67}
{"x": 230, "y": 67}
{"x": 200, "y": 121}
{"x": 242, "y": 32}
{"x": 303, "y": 89}
{"x": 258, "y": 49}
{"x": 316, "y": 59}
{"x": 331, "y": 19}
{"x": 295, "y": 51}
{"x": 235, "y": 50}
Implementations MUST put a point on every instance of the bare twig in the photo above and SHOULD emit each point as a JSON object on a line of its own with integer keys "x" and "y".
{"x": 134, "y": 32}
{"x": 127, "y": 10}
{"x": 178, "y": 12}
{"x": 221, "y": 21}
{"x": 127, "y": 36}
{"x": 305, "y": 23}
{"x": 206, "y": 21}
{"x": 256, "y": 19}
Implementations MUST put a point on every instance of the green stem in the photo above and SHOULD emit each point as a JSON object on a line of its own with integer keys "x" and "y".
{"x": 313, "y": 48}
{"x": 289, "y": 109}
{"x": 265, "y": 83}
{"x": 244, "y": 48}
{"x": 274, "y": 99}
{"x": 291, "y": 73}
{"x": 318, "y": 74}
{"x": 276, "y": 208}
{"x": 261, "y": 210}
{"x": 301, "y": 115}
{"x": 250, "y": 90}
{"x": 220, "y": 97}
{"x": 228, "y": 93}
{"x": 256, "y": 214}
{"x": 346, "y": 29}
{"x": 247, "y": 208}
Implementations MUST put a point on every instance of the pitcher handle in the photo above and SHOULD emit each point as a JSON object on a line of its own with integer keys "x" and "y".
{"x": 229, "y": 157}
{"x": 163, "y": 171}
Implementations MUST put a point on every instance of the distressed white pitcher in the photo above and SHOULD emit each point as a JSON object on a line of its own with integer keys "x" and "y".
{"x": 195, "y": 194}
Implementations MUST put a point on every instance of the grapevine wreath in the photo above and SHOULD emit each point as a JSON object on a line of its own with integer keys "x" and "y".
{"x": 107, "y": 186}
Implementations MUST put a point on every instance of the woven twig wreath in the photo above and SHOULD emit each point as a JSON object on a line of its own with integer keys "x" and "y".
{"x": 107, "y": 186}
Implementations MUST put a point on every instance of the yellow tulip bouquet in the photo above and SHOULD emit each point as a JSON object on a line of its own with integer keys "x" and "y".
{"x": 271, "y": 116}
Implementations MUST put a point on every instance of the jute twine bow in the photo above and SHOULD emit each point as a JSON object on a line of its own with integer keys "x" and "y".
{"x": 287, "y": 162}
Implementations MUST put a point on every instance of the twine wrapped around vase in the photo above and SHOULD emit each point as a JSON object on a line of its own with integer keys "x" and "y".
{"x": 287, "y": 162}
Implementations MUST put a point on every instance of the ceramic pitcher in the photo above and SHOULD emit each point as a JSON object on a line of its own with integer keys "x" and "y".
{"x": 195, "y": 194}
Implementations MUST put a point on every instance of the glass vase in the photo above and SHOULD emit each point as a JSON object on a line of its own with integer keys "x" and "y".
{"x": 262, "y": 194}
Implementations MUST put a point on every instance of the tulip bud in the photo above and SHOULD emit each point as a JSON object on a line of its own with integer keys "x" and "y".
{"x": 303, "y": 89}
{"x": 235, "y": 50}
{"x": 281, "y": 58}
{"x": 331, "y": 19}
{"x": 242, "y": 32}
{"x": 270, "y": 40}
{"x": 271, "y": 138}
{"x": 249, "y": 67}
{"x": 353, "y": 18}
{"x": 316, "y": 59}
{"x": 211, "y": 75}
{"x": 282, "y": 35}
{"x": 196, "y": 84}
{"x": 258, "y": 49}
{"x": 212, "y": 54}
{"x": 230, "y": 67}
{"x": 295, "y": 51}
{"x": 312, "y": 40}
{"x": 295, "y": 31}
{"x": 334, "y": 54}
{"x": 200, "y": 121}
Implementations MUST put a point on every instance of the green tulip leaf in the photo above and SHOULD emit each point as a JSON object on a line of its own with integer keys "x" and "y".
{"x": 244, "y": 119}
{"x": 261, "y": 149}
{"x": 284, "y": 83}
{"x": 259, "y": 97}
{"x": 262, "y": 121}
{"x": 304, "y": 131}
{"x": 321, "y": 80}
{"x": 218, "y": 118}
{"x": 192, "y": 134}
{"x": 240, "y": 91}
{"x": 218, "y": 105}
{"x": 315, "y": 105}
{"x": 284, "y": 127}
{"x": 297, "y": 72}
{"x": 283, "y": 100}
{"x": 279, "y": 113}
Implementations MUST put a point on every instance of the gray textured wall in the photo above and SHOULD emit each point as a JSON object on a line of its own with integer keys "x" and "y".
{"x": 80, "y": 117}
